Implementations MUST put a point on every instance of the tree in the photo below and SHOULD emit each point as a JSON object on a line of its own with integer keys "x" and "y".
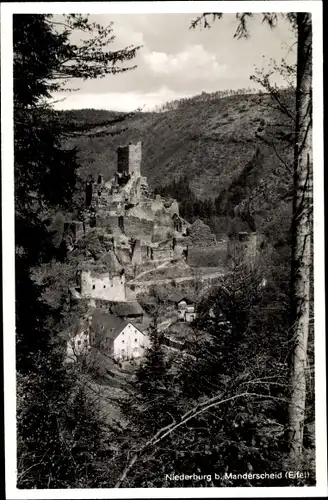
{"x": 229, "y": 390}
{"x": 152, "y": 403}
{"x": 45, "y": 176}
{"x": 301, "y": 233}
{"x": 302, "y": 214}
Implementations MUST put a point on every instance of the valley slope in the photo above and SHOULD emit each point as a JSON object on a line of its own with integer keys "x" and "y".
{"x": 219, "y": 143}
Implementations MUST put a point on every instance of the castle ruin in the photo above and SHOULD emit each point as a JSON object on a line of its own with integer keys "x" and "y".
{"x": 146, "y": 230}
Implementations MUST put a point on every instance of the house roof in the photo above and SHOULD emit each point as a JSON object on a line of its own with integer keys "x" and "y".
{"x": 125, "y": 309}
{"x": 106, "y": 325}
{"x": 150, "y": 300}
{"x": 180, "y": 297}
{"x": 110, "y": 326}
{"x": 190, "y": 309}
{"x": 144, "y": 325}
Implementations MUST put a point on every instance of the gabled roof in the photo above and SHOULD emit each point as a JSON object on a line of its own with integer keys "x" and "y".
{"x": 125, "y": 309}
{"x": 106, "y": 325}
{"x": 179, "y": 297}
{"x": 144, "y": 325}
{"x": 109, "y": 326}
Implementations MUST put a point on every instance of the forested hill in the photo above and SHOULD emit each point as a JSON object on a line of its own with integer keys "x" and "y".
{"x": 219, "y": 143}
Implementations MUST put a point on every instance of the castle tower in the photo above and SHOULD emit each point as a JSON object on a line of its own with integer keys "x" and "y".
{"x": 129, "y": 159}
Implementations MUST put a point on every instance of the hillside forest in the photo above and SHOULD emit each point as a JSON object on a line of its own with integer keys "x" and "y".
{"x": 229, "y": 159}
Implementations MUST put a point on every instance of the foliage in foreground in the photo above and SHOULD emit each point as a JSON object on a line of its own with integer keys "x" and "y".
{"x": 55, "y": 417}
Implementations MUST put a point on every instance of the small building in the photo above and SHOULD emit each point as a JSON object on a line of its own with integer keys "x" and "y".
{"x": 127, "y": 310}
{"x": 121, "y": 338}
{"x": 186, "y": 309}
{"x": 94, "y": 284}
{"x": 189, "y": 314}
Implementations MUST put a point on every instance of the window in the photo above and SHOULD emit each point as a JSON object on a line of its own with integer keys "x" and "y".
{"x": 104, "y": 286}
{"x": 123, "y": 341}
{"x": 93, "y": 287}
{"x": 136, "y": 340}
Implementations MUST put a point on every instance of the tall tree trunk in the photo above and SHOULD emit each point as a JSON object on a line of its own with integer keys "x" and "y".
{"x": 301, "y": 234}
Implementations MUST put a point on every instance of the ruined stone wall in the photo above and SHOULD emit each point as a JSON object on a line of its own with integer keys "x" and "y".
{"x": 131, "y": 292}
{"x": 162, "y": 232}
{"x": 135, "y": 159}
{"x": 144, "y": 253}
{"x": 142, "y": 211}
{"x": 164, "y": 219}
{"x": 174, "y": 208}
{"x": 123, "y": 160}
{"x": 157, "y": 204}
{"x": 102, "y": 286}
{"x": 129, "y": 159}
{"x": 138, "y": 228}
{"x": 123, "y": 255}
{"x": 136, "y": 253}
{"x": 178, "y": 251}
{"x": 74, "y": 229}
{"x": 162, "y": 253}
{"x": 109, "y": 222}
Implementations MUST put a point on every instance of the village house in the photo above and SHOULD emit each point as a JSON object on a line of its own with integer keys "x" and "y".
{"x": 121, "y": 338}
{"x": 127, "y": 310}
{"x": 189, "y": 314}
{"x": 186, "y": 309}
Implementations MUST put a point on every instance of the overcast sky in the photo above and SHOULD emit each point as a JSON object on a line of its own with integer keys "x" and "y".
{"x": 175, "y": 61}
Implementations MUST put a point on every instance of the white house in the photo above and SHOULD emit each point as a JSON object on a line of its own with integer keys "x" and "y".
{"x": 186, "y": 310}
{"x": 189, "y": 314}
{"x": 122, "y": 338}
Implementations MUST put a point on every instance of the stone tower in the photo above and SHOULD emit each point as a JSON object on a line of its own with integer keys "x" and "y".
{"x": 129, "y": 159}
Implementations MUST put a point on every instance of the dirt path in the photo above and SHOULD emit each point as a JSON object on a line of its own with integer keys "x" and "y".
{"x": 164, "y": 264}
{"x": 215, "y": 274}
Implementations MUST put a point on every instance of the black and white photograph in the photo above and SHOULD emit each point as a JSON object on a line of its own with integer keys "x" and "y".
{"x": 163, "y": 249}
